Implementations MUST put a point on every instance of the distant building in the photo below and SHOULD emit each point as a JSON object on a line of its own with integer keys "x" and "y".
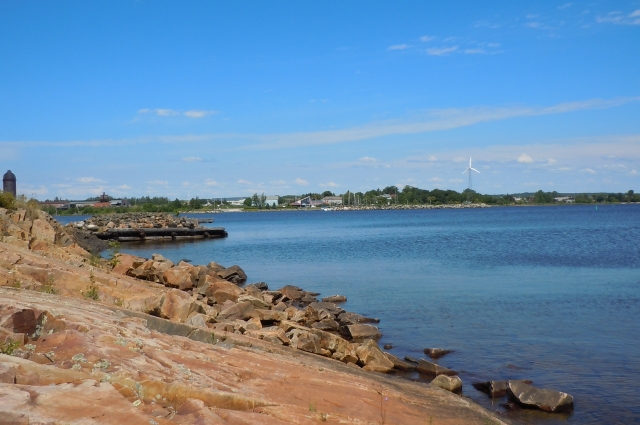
{"x": 272, "y": 201}
{"x": 9, "y": 183}
{"x": 332, "y": 200}
{"x": 307, "y": 202}
{"x": 565, "y": 199}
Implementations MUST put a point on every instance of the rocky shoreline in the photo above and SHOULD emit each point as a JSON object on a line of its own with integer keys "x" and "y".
{"x": 63, "y": 311}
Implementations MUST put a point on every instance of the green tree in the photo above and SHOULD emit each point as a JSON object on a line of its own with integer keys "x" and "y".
{"x": 630, "y": 196}
{"x": 248, "y": 202}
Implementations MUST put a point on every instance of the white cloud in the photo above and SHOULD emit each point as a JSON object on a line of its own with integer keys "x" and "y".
{"x": 368, "y": 159}
{"x": 426, "y": 38}
{"x": 158, "y": 182}
{"x": 329, "y": 184}
{"x": 588, "y": 170}
{"x": 166, "y": 112}
{"x": 245, "y": 182}
{"x": 633, "y": 173}
{"x": 278, "y": 183}
{"x": 199, "y": 113}
{"x": 564, "y": 6}
{"x": 398, "y": 47}
{"x": 635, "y": 14}
{"x": 441, "y": 51}
{"x": 301, "y": 182}
{"x": 210, "y": 182}
{"x": 475, "y": 51}
{"x": 123, "y": 187}
{"x": 459, "y": 159}
{"x": 456, "y": 180}
{"x": 186, "y": 184}
{"x": 435, "y": 179}
{"x": 192, "y": 159}
{"x": 525, "y": 159}
{"x": 90, "y": 180}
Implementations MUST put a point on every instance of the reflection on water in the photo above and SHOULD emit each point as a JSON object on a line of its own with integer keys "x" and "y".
{"x": 547, "y": 294}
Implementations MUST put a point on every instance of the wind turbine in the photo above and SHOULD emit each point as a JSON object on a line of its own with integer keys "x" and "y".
{"x": 469, "y": 170}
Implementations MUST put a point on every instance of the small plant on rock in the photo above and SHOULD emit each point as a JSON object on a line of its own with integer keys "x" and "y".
{"x": 94, "y": 261}
{"x": 50, "y": 286}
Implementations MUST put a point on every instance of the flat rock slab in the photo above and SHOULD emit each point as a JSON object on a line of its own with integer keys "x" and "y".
{"x": 449, "y": 383}
{"x": 531, "y": 397}
{"x": 360, "y": 332}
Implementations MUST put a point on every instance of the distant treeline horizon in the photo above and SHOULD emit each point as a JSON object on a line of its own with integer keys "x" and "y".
{"x": 387, "y": 196}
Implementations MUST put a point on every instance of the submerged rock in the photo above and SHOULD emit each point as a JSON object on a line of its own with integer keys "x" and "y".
{"x": 436, "y": 353}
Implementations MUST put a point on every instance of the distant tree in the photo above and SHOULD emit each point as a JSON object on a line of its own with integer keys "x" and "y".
{"x": 327, "y": 193}
{"x": 630, "y": 196}
{"x": 248, "y": 202}
{"x": 263, "y": 200}
{"x": 255, "y": 200}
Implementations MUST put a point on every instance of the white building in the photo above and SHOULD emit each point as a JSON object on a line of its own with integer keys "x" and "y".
{"x": 332, "y": 200}
{"x": 272, "y": 201}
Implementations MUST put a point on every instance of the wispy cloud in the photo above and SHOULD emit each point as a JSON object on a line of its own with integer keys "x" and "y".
{"x": 301, "y": 182}
{"x": 588, "y": 170}
{"x": 194, "y": 113}
{"x": 618, "y": 18}
{"x": 368, "y": 159}
{"x": 158, "y": 182}
{"x": 564, "y": 6}
{"x": 90, "y": 180}
{"x": 329, "y": 184}
{"x": 192, "y": 159}
{"x": 398, "y": 47}
{"x": 210, "y": 182}
{"x": 426, "y": 38}
{"x": 440, "y": 51}
{"x": 244, "y": 182}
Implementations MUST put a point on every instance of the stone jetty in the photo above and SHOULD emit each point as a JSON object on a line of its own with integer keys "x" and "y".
{"x": 140, "y": 227}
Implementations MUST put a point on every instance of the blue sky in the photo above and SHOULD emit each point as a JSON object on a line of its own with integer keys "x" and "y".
{"x": 222, "y": 99}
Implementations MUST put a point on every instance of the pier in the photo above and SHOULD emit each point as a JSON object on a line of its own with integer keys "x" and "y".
{"x": 163, "y": 234}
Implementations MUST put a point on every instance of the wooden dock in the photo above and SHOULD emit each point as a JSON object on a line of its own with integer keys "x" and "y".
{"x": 164, "y": 234}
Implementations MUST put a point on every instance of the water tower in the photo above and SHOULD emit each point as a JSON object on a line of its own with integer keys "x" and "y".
{"x": 9, "y": 183}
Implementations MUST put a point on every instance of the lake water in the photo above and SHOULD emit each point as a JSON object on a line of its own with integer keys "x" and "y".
{"x": 550, "y": 294}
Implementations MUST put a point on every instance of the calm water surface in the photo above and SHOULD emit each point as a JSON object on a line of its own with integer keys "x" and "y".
{"x": 547, "y": 294}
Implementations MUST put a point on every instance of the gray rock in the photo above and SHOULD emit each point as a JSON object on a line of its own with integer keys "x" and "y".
{"x": 400, "y": 364}
{"x": 411, "y": 359}
{"x": 335, "y": 299}
{"x": 531, "y": 397}
{"x": 495, "y": 388}
{"x": 449, "y": 383}
{"x": 233, "y": 274}
{"x": 428, "y": 368}
{"x": 360, "y": 332}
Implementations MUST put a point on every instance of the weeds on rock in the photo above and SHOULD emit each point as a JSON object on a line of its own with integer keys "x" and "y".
{"x": 9, "y": 346}
{"x": 50, "y": 286}
{"x": 92, "y": 293}
{"x": 16, "y": 283}
{"x": 323, "y": 417}
{"x": 312, "y": 405}
{"x": 114, "y": 247}
{"x": 94, "y": 261}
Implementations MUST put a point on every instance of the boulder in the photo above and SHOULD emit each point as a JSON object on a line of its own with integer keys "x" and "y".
{"x": 222, "y": 291}
{"x": 215, "y": 266}
{"x": 291, "y": 292}
{"x": 233, "y": 274}
{"x": 198, "y": 320}
{"x": 348, "y": 318}
{"x": 240, "y": 311}
{"x": 330, "y": 307}
{"x": 335, "y": 299}
{"x": 176, "y": 305}
{"x": 256, "y": 302}
{"x": 400, "y": 364}
{"x": 449, "y": 383}
{"x": 430, "y": 368}
{"x": 305, "y": 341}
{"x": 372, "y": 358}
{"x": 272, "y": 334}
{"x": 271, "y": 315}
{"x": 178, "y": 277}
{"x": 436, "y": 353}
{"x": 411, "y": 359}
{"x": 126, "y": 263}
{"x": 327, "y": 324}
{"x": 42, "y": 230}
{"x": 496, "y": 388}
{"x": 531, "y": 397}
{"x": 360, "y": 332}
